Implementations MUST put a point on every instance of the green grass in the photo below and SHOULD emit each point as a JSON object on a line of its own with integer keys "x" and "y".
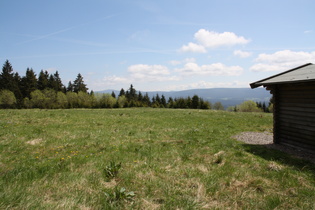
{"x": 170, "y": 159}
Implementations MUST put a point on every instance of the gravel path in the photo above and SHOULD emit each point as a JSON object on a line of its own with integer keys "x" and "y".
{"x": 266, "y": 139}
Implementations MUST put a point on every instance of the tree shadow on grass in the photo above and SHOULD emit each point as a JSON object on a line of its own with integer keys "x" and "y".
{"x": 299, "y": 159}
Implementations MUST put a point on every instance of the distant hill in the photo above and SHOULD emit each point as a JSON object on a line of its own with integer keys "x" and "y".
{"x": 227, "y": 96}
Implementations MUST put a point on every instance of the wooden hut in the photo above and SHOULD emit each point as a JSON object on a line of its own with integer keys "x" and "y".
{"x": 294, "y": 106}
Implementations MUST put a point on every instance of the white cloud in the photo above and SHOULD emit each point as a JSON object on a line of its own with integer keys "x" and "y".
{"x": 192, "y": 47}
{"x": 242, "y": 54}
{"x": 282, "y": 60}
{"x": 150, "y": 73}
{"x": 211, "y": 39}
{"x": 216, "y": 69}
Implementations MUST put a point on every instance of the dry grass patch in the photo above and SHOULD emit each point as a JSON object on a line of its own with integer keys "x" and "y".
{"x": 150, "y": 204}
{"x": 34, "y": 141}
{"x": 273, "y": 166}
{"x": 110, "y": 184}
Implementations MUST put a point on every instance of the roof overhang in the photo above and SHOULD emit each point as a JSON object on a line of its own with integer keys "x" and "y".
{"x": 304, "y": 73}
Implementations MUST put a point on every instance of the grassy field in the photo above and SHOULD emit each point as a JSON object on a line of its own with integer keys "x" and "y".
{"x": 145, "y": 159}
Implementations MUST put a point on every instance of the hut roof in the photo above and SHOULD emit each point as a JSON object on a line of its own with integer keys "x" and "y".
{"x": 304, "y": 73}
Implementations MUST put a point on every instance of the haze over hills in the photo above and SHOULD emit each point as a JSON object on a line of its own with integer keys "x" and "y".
{"x": 227, "y": 96}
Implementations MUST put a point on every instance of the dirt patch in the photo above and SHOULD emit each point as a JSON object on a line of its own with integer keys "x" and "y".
{"x": 266, "y": 139}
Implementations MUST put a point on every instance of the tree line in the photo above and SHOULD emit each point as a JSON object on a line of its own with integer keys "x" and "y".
{"x": 47, "y": 92}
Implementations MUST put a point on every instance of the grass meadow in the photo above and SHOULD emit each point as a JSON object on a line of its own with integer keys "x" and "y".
{"x": 145, "y": 159}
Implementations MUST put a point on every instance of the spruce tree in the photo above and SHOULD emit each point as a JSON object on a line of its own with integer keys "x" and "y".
{"x": 195, "y": 102}
{"x": 58, "y": 82}
{"x": 78, "y": 84}
{"x": 163, "y": 101}
{"x": 113, "y": 94}
{"x": 122, "y": 92}
{"x": 28, "y": 83}
{"x": 70, "y": 87}
{"x": 140, "y": 99}
{"x": 51, "y": 82}
{"x": 146, "y": 100}
{"x": 170, "y": 102}
{"x": 188, "y": 102}
{"x": 43, "y": 78}
{"x": 17, "y": 88}
{"x": 7, "y": 81}
{"x": 132, "y": 93}
{"x": 158, "y": 99}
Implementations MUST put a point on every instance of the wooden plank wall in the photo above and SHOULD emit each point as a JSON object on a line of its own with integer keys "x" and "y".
{"x": 296, "y": 115}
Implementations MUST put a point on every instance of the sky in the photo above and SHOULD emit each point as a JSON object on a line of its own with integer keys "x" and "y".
{"x": 161, "y": 45}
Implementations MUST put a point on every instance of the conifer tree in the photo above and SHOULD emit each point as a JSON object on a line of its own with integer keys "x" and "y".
{"x": 122, "y": 92}
{"x": 132, "y": 93}
{"x": 70, "y": 87}
{"x": 170, "y": 102}
{"x": 7, "y": 81}
{"x": 153, "y": 100}
{"x": 42, "y": 82}
{"x": 146, "y": 100}
{"x": 195, "y": 102}
{"x": 17, "y": 88}
{"x": 157, "y": 99}
{"x": 188, "y": 102}
{"x": 28, "y": 83}
{"x": 163, "y": 101}
{"x": 113, "y": 94}
{"x": 51, "y": 82}
{"x": 58, "y": 86}
{"x": 78, "y": 84}
{"x": 140, "y": 97}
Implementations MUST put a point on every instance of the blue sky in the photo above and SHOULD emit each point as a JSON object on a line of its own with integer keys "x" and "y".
{"x": 158, "y": 45}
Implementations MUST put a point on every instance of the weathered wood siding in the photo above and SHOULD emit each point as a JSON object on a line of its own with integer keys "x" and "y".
{"x": 294, "y": 115}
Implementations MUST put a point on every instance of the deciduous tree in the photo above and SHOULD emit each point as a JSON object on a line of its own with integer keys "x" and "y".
{"x": 7, "y": 99}
{"x": 218, "y": 106}
{"x": 248, "y": 106}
